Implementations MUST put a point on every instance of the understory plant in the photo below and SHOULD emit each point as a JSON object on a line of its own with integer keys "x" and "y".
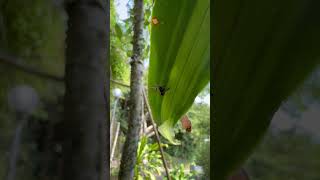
{"x": 179, "y": 173}
{"x": 149, "y": 162}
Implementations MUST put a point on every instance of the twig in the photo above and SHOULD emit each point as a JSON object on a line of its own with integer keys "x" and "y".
{"x": 150, "y": 134}
{"x": 157, "y": 135}
{"x": 114, "y": 144}
{"x": 113, "y": 114}
{"x": 119, "y": 83}
{"x": 17, "y": 62}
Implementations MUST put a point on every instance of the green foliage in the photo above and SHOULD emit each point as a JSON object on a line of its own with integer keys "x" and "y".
{"x": 121, "y": 32}
{"x": 258, "y": 49}
{"x": 203, "y": 158}
{"x": 285, "y": 156}
{"x": 179, "y": 59}
{"x": 33, "y": 30}
{"x": 148, "y": 160}
{"x": 199, "y": 115}
{"x": 187, "y": 148}
{"x": 192, "y": 144}
{"x": 120, "y": 45}
{"x": 118, "y": 31}
{"x": 178, "y": 173}
{"x": 122, "y": 109}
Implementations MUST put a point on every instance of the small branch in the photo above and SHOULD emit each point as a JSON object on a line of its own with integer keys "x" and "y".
{"x": 114, "y": 144}
{"x": 149, "y": 129}
{"x": 19, "y": 64}
{"x": 119, "y": 83}
{"x": 157, "y": 135}
{"x": 150, "y": 134}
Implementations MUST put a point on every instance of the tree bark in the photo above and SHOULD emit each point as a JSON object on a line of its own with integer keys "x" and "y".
{"x": 136, "y": 86}
{"x": 85, "y": 118}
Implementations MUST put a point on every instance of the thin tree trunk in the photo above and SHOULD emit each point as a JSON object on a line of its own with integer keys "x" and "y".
{"x": 85, "y": 123}
{"x": 130, "y": 147}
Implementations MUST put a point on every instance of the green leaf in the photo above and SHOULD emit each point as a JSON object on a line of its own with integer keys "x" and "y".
{"x": 141, "y": 148}
{"x": 262, "y": 50}
{"x": 150, "y": 175}
{"x": 147, "y": 13}
{"x": 118, "y": 31}
{"x": 139, "y": 177}
{"x": 179, "y": 60}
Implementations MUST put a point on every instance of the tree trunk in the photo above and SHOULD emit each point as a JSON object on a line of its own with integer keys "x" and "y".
{"x": 85, "y": 124}
{"x": 136, "y": 86}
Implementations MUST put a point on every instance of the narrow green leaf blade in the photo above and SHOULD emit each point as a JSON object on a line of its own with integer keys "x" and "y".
{"x": 180, "y": 59}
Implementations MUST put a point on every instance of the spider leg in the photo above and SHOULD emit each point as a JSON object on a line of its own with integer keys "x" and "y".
{"x": 153, "y": 87}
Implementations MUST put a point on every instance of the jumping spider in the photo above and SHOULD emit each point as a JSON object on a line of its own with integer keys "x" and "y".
{"x": 162, "y": 89}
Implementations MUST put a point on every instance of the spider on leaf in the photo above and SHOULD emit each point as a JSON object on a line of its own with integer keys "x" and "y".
{"x": 162, "y": 89}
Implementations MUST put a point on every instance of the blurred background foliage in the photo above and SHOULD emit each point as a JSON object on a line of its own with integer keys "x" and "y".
{"x": 290, "y": 149}
{"x": 33, "y": 30}
{"x": 285, "y": 156}
{"x": 120, "y": 46}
